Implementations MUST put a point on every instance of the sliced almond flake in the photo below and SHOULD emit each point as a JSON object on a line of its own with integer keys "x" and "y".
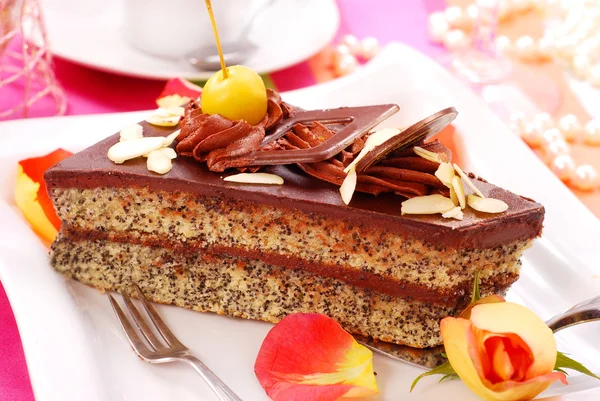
{"x": 348, "y": 186}
{"x": 163, "y": 121}
{"x": 487, "y": 205}
{"x": 459, "y": 191}
{"x": 453, "y": 197}
{"x": 429, "y": 204}
{"x": 467, "y": 180}
{"x": 255, "y": 178}
{"x": 169, "y": 111}
{"x": 171, "y": 137}
{"x": 454, "y": 213}
{"x": 426, "y": 154}
{"x": 172, "y": 100}
{"x": 159, "y": 162}
{"x": 132, "y": 131}
{"x": 374, "y": 140}
{"x": 169, "y": 152}
{"x": 445, "y": 173}
{"x": 126, "y": 150}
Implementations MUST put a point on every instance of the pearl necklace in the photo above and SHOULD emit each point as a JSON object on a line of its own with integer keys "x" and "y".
{"x": 451, "y": 26}
{"x": 346, "y": 55}
{"x": 552, "y": 139}
{"x": 572, "y": 38}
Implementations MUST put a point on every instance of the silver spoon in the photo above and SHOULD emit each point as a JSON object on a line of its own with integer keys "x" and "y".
{"x": 206, "y": 58}
{"x": 583, "y": 312}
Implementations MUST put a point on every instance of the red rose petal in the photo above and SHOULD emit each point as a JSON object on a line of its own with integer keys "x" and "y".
{"x": 310, "y": 356}
{"x": 35, "y": 168}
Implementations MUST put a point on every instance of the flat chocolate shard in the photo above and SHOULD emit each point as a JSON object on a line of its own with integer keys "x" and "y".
{"x": 357, "y": 122}
{"x": 411, "y": 136}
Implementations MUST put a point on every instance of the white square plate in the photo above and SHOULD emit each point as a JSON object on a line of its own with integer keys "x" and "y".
{"x": 76, "y": 351}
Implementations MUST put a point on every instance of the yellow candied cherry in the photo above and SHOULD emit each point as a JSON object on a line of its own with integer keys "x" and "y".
{"x": 240, "y": 96}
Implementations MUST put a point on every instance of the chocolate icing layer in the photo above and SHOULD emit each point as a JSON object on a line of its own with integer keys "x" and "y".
{"x": 91, "y": 169}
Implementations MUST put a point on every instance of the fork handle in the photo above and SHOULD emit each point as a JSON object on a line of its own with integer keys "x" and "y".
{"x": 216, "y": 385}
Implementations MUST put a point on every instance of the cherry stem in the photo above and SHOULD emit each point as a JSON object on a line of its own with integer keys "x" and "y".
{"x": 216, "y": 32}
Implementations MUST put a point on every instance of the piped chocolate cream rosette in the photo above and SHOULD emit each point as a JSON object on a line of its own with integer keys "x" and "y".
{"x": 222, "y": 143}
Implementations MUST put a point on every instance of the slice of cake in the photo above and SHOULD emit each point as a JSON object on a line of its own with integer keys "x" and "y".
{"x": 255, "y": 251}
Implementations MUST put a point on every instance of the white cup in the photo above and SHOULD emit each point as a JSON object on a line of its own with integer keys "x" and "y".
{"x": 174, "y": 28}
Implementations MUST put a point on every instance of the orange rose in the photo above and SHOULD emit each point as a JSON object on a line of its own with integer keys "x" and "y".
{"x": 503, "y": 352}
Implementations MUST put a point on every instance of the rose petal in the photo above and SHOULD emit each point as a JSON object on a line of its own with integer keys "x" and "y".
{"x": 521, "y": 390}
{"x": 499, "y": 356}
{"x": 454, "y": 334}
{"x": 26, "y": 191}
{"x": 310, "y": 357}
{"x": 466, "y": 314}
{"x": 501, "y": 359}
{"x": 508, "y": 317}
{"x": 31, "y": 195}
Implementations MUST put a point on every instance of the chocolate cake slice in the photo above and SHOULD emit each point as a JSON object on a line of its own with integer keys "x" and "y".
{"x": 191, "y": 239}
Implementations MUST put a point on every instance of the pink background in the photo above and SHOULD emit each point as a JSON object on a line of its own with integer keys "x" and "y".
{"x": 90, "y": 92}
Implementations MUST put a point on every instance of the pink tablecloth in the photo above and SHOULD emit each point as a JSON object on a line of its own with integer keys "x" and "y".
{"x": 90, "y": 91}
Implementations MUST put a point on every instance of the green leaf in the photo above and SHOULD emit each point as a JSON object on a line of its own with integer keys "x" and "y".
{"x": 268, "y": 81}
{"x": 444, "y": 369}
{"x": 564, "y": 362}
{"x": 476, "y": 294}
{"x": 450, "y": 376}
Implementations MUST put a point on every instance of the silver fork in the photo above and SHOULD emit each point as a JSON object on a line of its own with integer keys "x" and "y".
{"x": 153, "y": 350}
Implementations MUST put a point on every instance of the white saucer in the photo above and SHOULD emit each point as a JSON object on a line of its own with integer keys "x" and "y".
{"x": 90, "y": 33}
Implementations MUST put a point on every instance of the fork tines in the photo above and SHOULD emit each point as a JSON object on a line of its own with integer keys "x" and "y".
{"x": 150, "y": 348}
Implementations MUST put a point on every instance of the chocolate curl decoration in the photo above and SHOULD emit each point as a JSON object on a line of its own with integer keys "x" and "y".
{"x": 403, "y": 173}
{"x": 223, "y": 143}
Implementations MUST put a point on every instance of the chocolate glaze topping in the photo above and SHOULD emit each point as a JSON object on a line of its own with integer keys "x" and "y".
{"x": 523, "y": 219}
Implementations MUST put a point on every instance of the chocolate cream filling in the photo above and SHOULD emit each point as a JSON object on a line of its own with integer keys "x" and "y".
{"x": 438, "y": 296}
